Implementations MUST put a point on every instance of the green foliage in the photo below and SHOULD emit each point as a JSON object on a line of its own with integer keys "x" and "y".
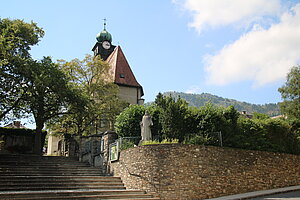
{"x": 48, "y": 91}
{"x": 260, "y": 116}
{"x": 290, "y": 93}
{"x": 295, "y": 126}
{"x": 172, "y": 116}
{"x": 36, "y": 87}
{"x": 250, "y": 135}
{"x": 16, "y": 39}
{"x": 165, "y": 141}
{"x": 150, "y": 142}
{"x": 156, "y": 129}
{"x": 128, "y": 122}
{"x": 190, "y": 125}
{"x": 126, "y": 144}
{"x": 265, "y": 134}
{"x": 101, "y": 103}
{"x": 198, "y": 140}
{"x": 280, "y": 133}
{"x": 212, "y": 119}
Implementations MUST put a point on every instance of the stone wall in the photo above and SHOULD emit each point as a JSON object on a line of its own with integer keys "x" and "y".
{"x": 90, "y": 151}
{"x": 94, "y": 149}
{"x": 177, "y": 171}
{"x": 18, "y": 140}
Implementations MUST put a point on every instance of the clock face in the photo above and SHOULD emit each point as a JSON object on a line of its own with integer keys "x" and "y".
{"x": 106, "y": 45}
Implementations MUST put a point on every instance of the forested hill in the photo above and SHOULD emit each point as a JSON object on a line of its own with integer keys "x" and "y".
{"x": 198, "y": 100}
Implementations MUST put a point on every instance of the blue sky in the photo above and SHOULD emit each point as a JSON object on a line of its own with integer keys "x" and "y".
{"x": 231, "y": 48}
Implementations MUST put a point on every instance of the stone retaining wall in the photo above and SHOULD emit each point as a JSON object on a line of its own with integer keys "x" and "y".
{"x": 18, "y": 140}
{"x": 190, "y": 172}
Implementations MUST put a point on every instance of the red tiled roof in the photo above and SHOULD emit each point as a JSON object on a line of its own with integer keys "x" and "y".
{"x": 121, "y": 70}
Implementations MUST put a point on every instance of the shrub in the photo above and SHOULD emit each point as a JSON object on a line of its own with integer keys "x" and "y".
{"x": 198, "y": 140}
{"x": 127, "y": 144}
{"x": 128, "y": 122}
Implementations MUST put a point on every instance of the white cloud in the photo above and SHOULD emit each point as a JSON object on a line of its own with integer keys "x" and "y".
{"x": 215, "y": 13}
{"x": 262, "y": 55}
{"x": 194, "y": 90}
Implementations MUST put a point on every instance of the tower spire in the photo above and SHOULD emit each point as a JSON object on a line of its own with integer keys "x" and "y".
{"x": 104, "y": 23}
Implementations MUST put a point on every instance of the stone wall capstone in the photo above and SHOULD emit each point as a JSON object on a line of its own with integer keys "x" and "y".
{"x": 191, "y": 172}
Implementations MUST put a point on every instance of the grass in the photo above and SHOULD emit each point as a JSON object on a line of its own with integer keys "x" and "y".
{"x": 165, "y": 141}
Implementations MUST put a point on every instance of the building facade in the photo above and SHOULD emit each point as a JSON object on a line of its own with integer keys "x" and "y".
{"x": 120, "y": 72}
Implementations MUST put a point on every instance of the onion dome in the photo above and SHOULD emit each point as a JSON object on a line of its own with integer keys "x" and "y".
{"x": 104, "y": 35}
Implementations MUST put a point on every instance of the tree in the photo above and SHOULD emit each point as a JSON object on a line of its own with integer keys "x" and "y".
{"x": 251, "y": 135}
{"x": 103, "y": 104}
{"x": 260, "y": 116}
{"x": 172, "y": 117}
{"x": 128, "y": 122}
{"x": 290, "y": 93}
{"x": 48, "y": 93}
{"x": 16, "y": 39}
{"x": 210, "y": 119}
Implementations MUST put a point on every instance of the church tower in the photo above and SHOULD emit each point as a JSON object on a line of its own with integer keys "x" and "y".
{"x": 103, "y": 46}
{"x": 120, "y": 72}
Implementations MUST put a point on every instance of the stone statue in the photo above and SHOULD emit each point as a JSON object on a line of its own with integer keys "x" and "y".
{"x": 145, "y": 127}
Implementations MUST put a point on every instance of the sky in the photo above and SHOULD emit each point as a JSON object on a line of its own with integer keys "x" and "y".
{"x": 235, "y": 49}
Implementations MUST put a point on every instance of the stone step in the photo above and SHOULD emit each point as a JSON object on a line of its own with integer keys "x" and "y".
{"x": 34, "y": 177}
{"x": 60, "y": 187}
{"x": 35, "y": 157}
{"x": 25, "y": 167}
{"x": 50, "y": 171}
{"x": 36, "y": 160}
{"x": 75, "y": 194}
{"x": 99, "y": 179}
{"x": 53, "y": 174}
{"x": 37, "y": 184}
{"x": 56, "y": 183}
{"x": 38, "y": 164}
{"x": 92, "y": 197}
{"x": 41, "y": 162}
{"x": 33, "y": 169}
{"x": 37, "y": 175}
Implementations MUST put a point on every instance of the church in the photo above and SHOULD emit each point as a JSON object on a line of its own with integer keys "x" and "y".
{"x": 120, "y": 72}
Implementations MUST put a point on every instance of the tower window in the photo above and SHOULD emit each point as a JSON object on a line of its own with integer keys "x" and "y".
{"x": 122, "y": 76}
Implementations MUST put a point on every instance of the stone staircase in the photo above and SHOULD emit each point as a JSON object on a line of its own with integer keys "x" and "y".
{"x": 29, "y": 177}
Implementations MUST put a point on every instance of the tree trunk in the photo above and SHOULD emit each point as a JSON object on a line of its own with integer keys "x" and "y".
{"x": 38, "y": 137}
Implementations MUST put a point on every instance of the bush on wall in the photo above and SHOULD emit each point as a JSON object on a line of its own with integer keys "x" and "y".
{"x": 173, "y": 119}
